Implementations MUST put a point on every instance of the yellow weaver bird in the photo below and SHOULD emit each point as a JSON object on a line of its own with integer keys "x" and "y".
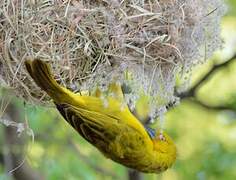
{"x": 113, "y": 129}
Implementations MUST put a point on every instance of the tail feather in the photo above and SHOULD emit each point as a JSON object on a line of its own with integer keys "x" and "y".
{"x": 40, "y": 72}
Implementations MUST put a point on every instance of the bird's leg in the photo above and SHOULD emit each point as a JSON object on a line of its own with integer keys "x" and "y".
{"x": 151, "y": 132}
{"x": 74, "y": 88}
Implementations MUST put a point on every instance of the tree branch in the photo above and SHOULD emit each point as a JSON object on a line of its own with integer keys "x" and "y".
{"x": 192, "y": 91}
{"x": 212, "y": 107}
{"x": 134, "y": 175}
{"x": 13, "y": 145}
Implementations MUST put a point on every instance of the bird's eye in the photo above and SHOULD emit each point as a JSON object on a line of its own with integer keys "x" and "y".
{"x": 162, "y": 137}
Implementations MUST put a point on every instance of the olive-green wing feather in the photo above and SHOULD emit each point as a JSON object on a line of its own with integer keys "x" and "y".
{"x": 93, "y": 126}
{"x": 107, "y": 133}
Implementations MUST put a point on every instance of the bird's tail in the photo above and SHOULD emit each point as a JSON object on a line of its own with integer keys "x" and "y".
{"x": 41, "y": 73}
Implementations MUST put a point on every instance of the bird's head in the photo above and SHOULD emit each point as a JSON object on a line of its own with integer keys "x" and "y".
{"x": 163, "y": 143}
{"x": 164, "y": 146}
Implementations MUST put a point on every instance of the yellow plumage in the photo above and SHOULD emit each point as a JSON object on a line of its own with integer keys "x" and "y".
{"x": 113, "y": 129}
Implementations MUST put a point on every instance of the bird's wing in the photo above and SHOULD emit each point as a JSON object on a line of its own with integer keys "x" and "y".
{"x": 112, "y": 108}
{"x": 88, "y": 126}
{"x": 102, "y": 130}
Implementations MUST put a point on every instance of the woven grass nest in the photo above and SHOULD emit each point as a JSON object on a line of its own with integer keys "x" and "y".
{"x": 92, "y": 43}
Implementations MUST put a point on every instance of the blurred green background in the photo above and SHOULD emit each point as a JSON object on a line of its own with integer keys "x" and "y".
{"x": 205, "y": 135}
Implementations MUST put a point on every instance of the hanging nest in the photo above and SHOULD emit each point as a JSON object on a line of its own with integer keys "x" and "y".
{"x": 92, "y": 43}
